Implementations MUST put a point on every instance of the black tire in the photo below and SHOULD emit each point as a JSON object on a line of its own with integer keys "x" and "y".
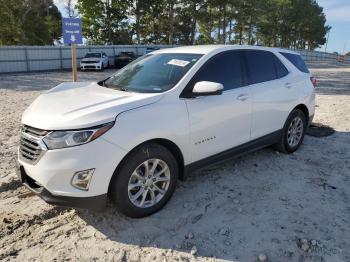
{"x": 118, "y": 188}
{"x": 283, "y": 145}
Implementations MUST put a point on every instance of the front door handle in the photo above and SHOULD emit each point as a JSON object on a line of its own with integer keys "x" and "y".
{"x": 242, "y": 97}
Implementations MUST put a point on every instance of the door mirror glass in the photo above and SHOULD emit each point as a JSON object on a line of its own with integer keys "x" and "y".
{"x": 207, "y": 88}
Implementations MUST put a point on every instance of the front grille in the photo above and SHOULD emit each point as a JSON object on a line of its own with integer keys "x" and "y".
{"x": 89, "y": 62}
{"x": 31, "y": 147}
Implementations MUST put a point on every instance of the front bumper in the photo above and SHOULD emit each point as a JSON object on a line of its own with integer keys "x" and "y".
{"x": 51, "y": 176}
{"x": 94, "y": 203}
{"x": 93, "y": 66}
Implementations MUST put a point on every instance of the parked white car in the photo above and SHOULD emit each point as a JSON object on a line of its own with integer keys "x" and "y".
{"x": 133, "y": 135}
{"x": 94, "y": 61}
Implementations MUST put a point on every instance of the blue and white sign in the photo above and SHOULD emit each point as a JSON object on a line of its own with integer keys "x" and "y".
{"x": 72, "y": 31}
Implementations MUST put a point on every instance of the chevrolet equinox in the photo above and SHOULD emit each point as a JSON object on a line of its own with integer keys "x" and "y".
{"x": 130, "y": 137}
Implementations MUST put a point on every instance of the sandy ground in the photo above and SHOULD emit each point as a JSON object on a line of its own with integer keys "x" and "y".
{"x": 289, "y": 207}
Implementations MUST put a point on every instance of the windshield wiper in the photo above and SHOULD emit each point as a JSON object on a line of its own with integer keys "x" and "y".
{"x": 102, "y": 83}
{"x": 116, "y": 87}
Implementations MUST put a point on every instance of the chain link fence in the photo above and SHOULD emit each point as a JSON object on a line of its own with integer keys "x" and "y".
{"x": 45, "y": 58}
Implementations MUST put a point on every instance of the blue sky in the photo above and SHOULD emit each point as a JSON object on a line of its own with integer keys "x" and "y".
{"x": 338, "y": 17}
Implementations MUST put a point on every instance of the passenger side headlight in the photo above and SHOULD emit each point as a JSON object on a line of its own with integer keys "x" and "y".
{"x": 62, "y": 139}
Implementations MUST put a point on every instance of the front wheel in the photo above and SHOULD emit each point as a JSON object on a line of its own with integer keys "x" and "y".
{"x": 145, "y": 181}
{"x": 293, "y": 132}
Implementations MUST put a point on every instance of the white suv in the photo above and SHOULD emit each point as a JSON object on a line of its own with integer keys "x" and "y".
{"x": 133, "y": 135}
{"x": 95, "y": 61}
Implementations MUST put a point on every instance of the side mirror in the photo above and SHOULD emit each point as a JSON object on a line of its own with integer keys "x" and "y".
{"x": 206, "y": 88}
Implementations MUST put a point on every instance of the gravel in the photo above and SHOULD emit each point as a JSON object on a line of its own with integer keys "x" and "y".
{"x": 283, "y": 198}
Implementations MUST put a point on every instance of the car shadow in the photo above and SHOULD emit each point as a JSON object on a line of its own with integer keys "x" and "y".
{"x": 261, "y": 202}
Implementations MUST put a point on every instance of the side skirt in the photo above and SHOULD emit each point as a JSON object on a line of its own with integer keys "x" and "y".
{"x": 248, "y": 147}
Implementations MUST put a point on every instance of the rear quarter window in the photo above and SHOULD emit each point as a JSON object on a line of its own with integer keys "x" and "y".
{"x": 281, "y": 70}
{"x": 297, "y": 61}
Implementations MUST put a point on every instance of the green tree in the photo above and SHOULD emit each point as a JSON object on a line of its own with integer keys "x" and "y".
{"x": 105, "y": 21}
{"x": 29, "y": 22}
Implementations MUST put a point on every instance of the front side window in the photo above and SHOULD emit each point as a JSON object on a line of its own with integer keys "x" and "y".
{"x": 93, "y": 55}
{"x": 224, "y": 68}
{"x": 261, "y": 66}
{"x": 153, "y": 73}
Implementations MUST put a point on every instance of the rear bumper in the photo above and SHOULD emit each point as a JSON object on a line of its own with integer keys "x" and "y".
{"x": 310, "y": 119}
{"x": 94, "y": 203}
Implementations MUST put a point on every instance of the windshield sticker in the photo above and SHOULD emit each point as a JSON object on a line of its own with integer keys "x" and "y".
{"x": 178, "y": 62}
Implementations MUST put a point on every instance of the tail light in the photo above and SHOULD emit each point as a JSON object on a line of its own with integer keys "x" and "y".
{"x": 313, "y": 81}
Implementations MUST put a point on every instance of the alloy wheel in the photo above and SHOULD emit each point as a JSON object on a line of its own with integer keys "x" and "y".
{"x": 295, "y": 131}
{"x": 149, "y": 183}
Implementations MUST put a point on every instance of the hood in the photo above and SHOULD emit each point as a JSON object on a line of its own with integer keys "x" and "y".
{"x": 91, "y": 60}
{"x": 81, "y": 105}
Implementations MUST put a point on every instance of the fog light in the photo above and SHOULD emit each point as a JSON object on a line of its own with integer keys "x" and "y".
{"x": 81, "y": 179}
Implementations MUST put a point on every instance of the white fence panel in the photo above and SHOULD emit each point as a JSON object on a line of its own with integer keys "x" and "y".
{"x": 42, "y": 58}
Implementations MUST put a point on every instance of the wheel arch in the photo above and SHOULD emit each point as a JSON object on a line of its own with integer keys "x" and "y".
{"x": 168, "y": 144}
{"x": 304, "y": 109}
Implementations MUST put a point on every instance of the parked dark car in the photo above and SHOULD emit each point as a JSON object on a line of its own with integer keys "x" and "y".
{"x": 151, "y": 49}
{"x": 124, "y": 58}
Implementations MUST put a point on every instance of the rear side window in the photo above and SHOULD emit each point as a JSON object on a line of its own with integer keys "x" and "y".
{"x": 297, "y": 61}
{"x": 281, "y": 70}
{"x": 225, "y": 68}
{"x": 261, "y": 66}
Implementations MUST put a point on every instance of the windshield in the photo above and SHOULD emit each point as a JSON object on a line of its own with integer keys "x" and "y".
{"x": 93, "y": 55}
{"x": 153, "y": 73}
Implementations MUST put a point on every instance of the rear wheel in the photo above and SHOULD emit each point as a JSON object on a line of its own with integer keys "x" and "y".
{"x": 145, "y": 181}
{"x": 293, "y": 132}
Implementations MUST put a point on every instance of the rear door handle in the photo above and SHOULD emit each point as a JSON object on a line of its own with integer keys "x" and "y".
{"x": 242, "y": 97}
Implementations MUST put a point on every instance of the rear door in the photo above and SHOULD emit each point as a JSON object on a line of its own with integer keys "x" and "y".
{"x": 272, "y": 92}
{"x": 220, "y": 122}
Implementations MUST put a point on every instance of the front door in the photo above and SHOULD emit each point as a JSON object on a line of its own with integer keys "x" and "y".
{"x": 220, "y": 122}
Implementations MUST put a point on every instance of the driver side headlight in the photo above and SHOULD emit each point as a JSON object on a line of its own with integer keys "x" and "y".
{"x": 62, "y": 139}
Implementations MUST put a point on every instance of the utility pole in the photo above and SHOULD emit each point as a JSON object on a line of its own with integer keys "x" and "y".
{"x": 74, "y": 62}
{"x": 327, "y": 41}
